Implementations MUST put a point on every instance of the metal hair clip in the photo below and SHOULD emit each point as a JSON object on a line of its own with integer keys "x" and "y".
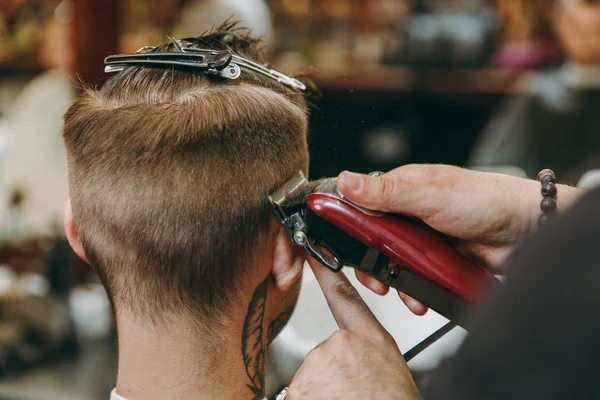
{"x": 215, "y": 62}
{"x": 271, "y": 73}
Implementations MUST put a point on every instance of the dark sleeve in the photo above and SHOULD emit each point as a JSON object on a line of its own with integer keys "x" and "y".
{"x": 538, "y": 336}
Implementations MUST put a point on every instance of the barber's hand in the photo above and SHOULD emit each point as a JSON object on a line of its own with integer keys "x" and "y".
{"x": 361, "y": 361}
{"x": 487, "y": 213}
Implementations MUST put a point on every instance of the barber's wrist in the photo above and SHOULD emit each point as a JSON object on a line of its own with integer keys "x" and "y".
{"x": 529, "y": 206}
{"x": 530, "y": 202}
{"x": 567, "y": 196}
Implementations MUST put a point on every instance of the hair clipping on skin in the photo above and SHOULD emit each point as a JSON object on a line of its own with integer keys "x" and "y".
{"x": 222, "y": 63}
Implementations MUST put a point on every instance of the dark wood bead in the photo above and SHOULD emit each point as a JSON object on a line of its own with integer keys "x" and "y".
{"x": 549, "y": 190}
{"x": 548, "y": 205}
{"x": 548, "y": 179}
{"x": 543, "y": 219}
{"x": 545, "y": 172}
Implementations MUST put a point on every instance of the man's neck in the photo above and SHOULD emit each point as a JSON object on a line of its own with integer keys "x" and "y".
{"x": 174, "y": 361}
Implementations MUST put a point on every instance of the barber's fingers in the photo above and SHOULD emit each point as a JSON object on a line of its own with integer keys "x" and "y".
{"x": 371, "y": 283}
{"x": 348, "y": 308}
{"x": 415, "y": 306}
{"x": 486, "y": 256}
{"x": 404, "y": 190}
{"x": 377, "y": 193}
{"x": 493, "y": 258}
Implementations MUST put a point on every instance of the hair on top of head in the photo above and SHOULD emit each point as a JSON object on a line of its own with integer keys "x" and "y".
{"x": 169, "y": 172}
{"x": 228, "y": 36}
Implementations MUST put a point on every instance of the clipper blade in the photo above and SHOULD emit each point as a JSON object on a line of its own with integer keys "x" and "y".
{"x": 293, "y": 192}
{"x": 291, "y": 189}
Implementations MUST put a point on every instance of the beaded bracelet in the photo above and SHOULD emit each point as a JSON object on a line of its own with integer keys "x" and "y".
{"x": 549, "y": 192}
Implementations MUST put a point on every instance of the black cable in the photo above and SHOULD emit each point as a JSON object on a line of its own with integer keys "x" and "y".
{"x": 431, "y": 339}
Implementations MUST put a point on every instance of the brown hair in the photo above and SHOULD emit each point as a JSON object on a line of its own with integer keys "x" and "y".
{"x": 168, "y": 175}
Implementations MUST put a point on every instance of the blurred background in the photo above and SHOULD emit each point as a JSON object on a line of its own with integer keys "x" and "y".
{"x": 510, "y": 85}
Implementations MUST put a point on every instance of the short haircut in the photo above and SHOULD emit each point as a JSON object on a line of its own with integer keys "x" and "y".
{"x": 169, "y": 172}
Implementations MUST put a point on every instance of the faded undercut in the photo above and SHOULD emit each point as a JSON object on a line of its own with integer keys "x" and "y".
{"x": 168, "y": 176}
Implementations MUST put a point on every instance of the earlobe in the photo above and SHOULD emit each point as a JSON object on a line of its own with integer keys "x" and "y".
{"x": 288, "y": 262}
{"x": 71, "y": 232}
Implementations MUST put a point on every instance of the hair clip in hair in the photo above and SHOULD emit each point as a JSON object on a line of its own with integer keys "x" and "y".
{"x": 211, "y": 61}
{"x": 271, "y": 73}
{"x": 145, "y": 49}
{"x": 222, "y": 63}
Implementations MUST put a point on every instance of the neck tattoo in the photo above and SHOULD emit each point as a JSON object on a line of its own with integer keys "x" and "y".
{"x": 277, "y": 325}
{"x": 253, "y": 341}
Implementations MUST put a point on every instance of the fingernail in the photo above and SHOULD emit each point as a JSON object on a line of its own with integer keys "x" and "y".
{"x": 351, "y": 181}
{"x": 416, "y": 307}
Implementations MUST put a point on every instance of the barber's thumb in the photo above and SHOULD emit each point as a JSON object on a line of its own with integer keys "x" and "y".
{"x": 374, "y": 192}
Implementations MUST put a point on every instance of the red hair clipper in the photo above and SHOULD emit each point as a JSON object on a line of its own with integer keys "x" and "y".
{"x": 396, "y": 251}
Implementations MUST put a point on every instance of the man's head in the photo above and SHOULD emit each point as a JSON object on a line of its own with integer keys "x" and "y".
{"x": 169, "y": 172}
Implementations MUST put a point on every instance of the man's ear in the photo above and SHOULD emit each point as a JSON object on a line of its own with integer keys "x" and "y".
{"x": 71, "y": 232}
{"x": 288, "y": 262}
